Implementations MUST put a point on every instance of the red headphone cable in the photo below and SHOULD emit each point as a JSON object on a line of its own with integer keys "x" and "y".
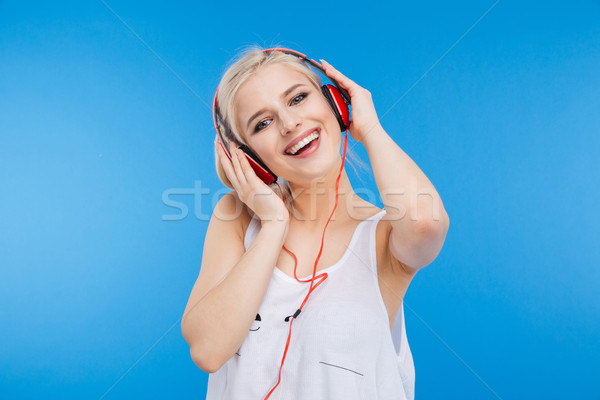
{"x": 323, "y": 275}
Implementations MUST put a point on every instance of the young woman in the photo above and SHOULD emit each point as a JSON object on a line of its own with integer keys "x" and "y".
{"x": 300, "y": 291}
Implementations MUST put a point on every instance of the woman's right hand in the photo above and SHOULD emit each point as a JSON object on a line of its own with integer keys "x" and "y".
{"x": 251, "y": 190}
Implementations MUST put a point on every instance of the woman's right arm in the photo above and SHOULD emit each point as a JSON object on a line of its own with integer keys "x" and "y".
{"x": 231, "y": 285}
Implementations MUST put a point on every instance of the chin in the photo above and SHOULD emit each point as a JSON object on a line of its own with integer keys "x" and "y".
{"x": 314, "y": 171}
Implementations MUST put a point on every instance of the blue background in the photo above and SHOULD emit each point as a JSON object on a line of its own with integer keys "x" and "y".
{"x": 98, "y": 129}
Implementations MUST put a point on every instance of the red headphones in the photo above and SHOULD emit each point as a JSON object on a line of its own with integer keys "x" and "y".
{"x": 338, "y": 99}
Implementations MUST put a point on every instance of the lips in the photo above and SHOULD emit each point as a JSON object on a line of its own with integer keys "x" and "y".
{"x": 299, "y": 138}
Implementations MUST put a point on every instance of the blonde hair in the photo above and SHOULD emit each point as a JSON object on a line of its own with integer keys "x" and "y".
{"x": 240, "y": 69}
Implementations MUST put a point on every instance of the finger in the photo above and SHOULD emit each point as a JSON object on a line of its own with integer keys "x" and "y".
{"x": 223, "y": 148}
{"x": 249, "y": 172}
{"x": 343, "y": 80}
{"x": 235, "y": 158}
{"x": 228, "y": 167}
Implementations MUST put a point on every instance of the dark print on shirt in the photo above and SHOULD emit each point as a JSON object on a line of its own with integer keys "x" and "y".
{"x": 255, "y": 327}
{"x": 337, "y": 366}
{"x": 255, "y": 324}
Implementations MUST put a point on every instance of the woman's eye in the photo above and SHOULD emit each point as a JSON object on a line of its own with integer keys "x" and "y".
{"x": 301, "y": 97}
{"x": 261, "y": 125}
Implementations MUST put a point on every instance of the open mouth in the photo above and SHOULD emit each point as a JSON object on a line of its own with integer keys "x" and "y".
{"x": 306, "y": 146}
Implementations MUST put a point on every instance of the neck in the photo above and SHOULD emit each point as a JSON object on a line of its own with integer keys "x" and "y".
{"x": 313, "y": 202}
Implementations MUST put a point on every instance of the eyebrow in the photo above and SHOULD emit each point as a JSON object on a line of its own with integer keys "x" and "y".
{"x": 284, "y": 94}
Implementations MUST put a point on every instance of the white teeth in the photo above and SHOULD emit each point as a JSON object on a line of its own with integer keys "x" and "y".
{"x": 302, "y": 143}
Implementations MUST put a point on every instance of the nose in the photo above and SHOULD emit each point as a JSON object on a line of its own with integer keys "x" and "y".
{"x": 290, "y": 121}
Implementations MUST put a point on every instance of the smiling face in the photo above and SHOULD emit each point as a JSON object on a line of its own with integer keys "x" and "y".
{"x": 277, "y": 106}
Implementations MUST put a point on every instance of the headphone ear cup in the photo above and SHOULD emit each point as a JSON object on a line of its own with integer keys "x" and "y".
{"x": 338, "y": 104}
{"x": 260, "y": 168}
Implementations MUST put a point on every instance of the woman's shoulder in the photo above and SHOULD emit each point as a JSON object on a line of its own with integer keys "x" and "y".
{"x": 234, "y": 210}
{"x": 362, "y": 210}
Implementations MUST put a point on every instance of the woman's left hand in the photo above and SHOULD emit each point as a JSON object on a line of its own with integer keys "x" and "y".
{"x": 364, "y": 116}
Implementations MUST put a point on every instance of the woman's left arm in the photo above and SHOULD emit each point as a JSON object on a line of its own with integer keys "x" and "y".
{"x": 413, "y": 206}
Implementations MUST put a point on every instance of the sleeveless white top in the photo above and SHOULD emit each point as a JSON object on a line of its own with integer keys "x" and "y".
{"x": 340, "y": 347}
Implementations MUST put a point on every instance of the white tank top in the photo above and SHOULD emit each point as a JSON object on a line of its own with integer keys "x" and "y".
{"x": 340, "y": 347}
